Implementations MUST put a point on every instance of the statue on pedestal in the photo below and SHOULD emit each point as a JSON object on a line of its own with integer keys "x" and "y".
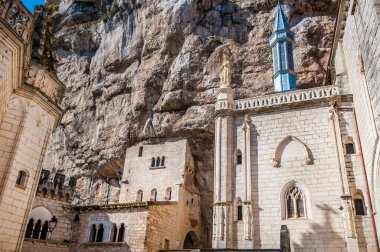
{"x": 225, "y": 71}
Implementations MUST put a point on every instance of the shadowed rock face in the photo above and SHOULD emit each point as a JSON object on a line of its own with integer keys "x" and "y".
{"x": 126, "y": 62}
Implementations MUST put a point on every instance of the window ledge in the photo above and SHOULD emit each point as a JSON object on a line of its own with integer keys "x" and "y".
{"x": 157, "y": 167}
{"x": 21, "y": 186}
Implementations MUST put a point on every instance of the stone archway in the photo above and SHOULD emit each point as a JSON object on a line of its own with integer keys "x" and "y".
{"x": 191, "y": 240}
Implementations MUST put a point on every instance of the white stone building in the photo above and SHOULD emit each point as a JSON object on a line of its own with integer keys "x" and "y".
{"x": 294, "y": 158}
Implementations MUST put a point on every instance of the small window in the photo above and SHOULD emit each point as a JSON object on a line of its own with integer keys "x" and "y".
{"x": 359, "y": 207}
{"x": 120, "y": 238}
{"x": 153, "y": 196}
{"x": 99, "y": 236}
{"x": 139, "y": 197}
{"x": 167, "y": 244}
{"x": 168, "y": 195}
{"x": 240, "y": 212}
{"x": 21, "y": 178}
{"x": 92, "y": 233}
{"x": 158, "y": 161}
{"x": 163, "y": 161}
{"x": 141, "y": 151}
{"x": 114, "y": 233}
{"x": 239, "y": 157}
{"x": 350, "y": 149}
{"x": 153, "y": 162}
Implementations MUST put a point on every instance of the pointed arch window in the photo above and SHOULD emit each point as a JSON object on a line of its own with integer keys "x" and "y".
{"x": 239, "y": 210}
{"x": 37, "y": 230}
{"x": 92, "y": 233}
{"x": 99, "y": 236}
{"x": 44, "y": 231}
{"x": 114, "y": 233}
{"x": 295, "y": 203}
{"x": 29, "y": 228}
{"x": 153, "y": 162}
{"x": 120, "y": 237}
{"x": 163, "y": 161}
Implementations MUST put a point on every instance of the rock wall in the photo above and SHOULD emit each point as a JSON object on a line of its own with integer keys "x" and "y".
{"x": 136, "y": 70}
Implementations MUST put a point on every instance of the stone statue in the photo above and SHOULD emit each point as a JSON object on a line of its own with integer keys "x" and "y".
{"x": 226, "y": 73}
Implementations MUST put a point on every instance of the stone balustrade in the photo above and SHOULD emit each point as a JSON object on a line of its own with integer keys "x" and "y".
{"x": 280, "y": 98}
{"x": 15, "y": 14}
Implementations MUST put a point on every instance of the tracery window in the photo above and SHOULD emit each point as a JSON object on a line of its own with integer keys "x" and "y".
{"x": 295, "y": 203}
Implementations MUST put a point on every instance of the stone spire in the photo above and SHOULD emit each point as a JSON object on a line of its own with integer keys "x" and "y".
{"x": 281, "y": 42}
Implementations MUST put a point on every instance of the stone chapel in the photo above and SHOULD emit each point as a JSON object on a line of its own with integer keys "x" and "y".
{"x": 298, "y": 160}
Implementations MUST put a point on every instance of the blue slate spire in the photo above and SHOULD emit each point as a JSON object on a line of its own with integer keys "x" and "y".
{"x": 281, "y": 22}
{"x": 281, "y": 42}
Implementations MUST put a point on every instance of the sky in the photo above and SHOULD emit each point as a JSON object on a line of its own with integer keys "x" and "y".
{"x": 31, "y": 3}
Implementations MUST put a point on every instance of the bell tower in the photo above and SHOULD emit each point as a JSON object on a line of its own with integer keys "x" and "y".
{"x": 281, "y": 42}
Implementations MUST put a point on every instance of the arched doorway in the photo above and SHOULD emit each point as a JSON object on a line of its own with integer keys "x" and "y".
{"x": 191, "y": 241}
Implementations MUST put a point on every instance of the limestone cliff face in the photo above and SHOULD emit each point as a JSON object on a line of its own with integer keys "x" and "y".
{"x": 139, "y": 69}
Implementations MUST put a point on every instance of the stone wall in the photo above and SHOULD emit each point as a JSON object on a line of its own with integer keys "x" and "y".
{"x": 23, "y": 136}
{"x": 139, "y": 174}
{"x": 360, "y": 53}
{"x": 134, "y": 219}
{"x": 314, "y": 169}
{"x": 59, "y": 209}
{"x": 45, "y": 246}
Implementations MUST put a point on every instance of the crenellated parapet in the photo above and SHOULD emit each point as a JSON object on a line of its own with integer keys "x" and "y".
{"x": 56, "y": 188}
{"x": 48, "y": 84}
{"x": 15, "y": 14}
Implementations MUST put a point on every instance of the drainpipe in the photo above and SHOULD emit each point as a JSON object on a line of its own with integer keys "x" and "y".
{"x": 367, "y": 185}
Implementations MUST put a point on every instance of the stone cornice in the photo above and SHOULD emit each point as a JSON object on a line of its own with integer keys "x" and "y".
{"x": 118, "y": 206}
{"x": 280, "y": 99}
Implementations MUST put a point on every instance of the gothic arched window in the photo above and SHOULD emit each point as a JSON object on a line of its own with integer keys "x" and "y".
{"x": 29, "y": 228}
{"x": 139, "y": 197}
{"x": 158, "y": 161}
{"x": 153, "y": 162}
{"x": 114, "y": 233}
{"x": 120, "y": 238}
{"x": 44, "y": 231}
{"x": 163, "y": 161}
{"x": 36, "y": 230}
{"x": 92, "y": 233}
{"x": 99, "y": 236}
{"x": 153, "y": 195}
{"x": 239, "y": 209}
{"x": 295, "y": 203}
